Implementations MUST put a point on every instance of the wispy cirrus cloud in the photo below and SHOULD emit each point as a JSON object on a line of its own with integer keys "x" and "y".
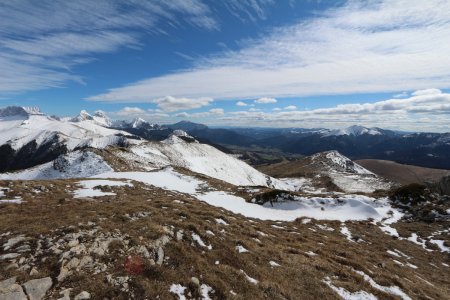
{"x": 42, "y": 41}
{"x": 360, "y": 47}
{"x": 266, "y": 100}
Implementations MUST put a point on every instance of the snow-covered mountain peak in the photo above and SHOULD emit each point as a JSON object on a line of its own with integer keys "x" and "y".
{"x": 82, "y": 116}
{"x": 101, "y": 118}
{"x": 138, "y": 122}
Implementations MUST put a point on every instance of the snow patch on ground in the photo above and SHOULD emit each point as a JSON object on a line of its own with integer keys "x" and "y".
{"x": 393, "y": 290}
{"x": 346, "y": 295}
{"x": 345, "y": 231}
{"x": 88, "y": 188}
{"x": 178, "y": 290}
{"x": 241, "y": 249}
{"x": 167, "y": 179}
{"x": 221, "y": 221}
{"x": 440, "y": 244}
{"x": 250, "y": 279}
{"x": 273, "y": 264}
{"x": 199, "y": 241}
{"x": 16, "y": 200}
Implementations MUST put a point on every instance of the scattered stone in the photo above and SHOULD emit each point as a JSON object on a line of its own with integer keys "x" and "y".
{"x": 34, "y": 272}
{"x": 63, "y": 274}
{"x": 9, "y": 256}
{"x": 37, "y": 288}
{"x": 9, "y": 290}
{"x": 65, "y": 294}
{"x": 160, "y": 256}
{"x": 73, "y": 263}
{"x": 73, "y": 243}
{"x": 86, "y": 261}
{"x": 195, "y": 281}
{"x": 8, "y": 282}
{"x": 11, "y": 266}
{"x": 83, "y": 296}
{"x": 13, "y": 241}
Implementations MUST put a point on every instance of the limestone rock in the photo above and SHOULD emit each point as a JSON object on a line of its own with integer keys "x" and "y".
{"x": 9, "y": 290}
{"x": 83, "y": 296}
{"x": 37, "y": 288}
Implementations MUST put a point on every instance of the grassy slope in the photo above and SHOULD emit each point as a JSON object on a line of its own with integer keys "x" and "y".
{"x": 54, "y": 214}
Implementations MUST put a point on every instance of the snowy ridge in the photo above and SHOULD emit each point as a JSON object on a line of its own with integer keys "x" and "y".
{"x": 199, "y": 158}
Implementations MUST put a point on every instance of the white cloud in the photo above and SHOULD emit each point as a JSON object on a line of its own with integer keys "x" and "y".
{"x": 130, "y": 111}
{"x": 290, "y": 107}
{"x": 241, "y": 103}
{"x": 423, "y": 111}
{"x": 276, "y": 109}
{"x": 170, "y": 104}
{"x": 361, "y": 47}
{"x": 426, "y": 92}
{"x": 182, "y": 115}
{"x": 265, "y": 100}
{"x": 426, "y": 111}
{"x": 215, "y": 112}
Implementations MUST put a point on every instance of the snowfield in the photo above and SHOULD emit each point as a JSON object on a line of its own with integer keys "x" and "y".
{"x": 344, "y": 208}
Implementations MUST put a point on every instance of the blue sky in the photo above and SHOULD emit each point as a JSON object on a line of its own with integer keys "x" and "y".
{"x": 232, "y": 62}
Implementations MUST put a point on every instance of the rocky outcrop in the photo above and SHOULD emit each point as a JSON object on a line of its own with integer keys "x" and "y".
{"x": 443, "y": 186}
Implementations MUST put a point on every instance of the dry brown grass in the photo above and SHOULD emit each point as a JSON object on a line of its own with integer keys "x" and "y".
{"x": 300, "y": 276}
{"x": 401, "y": 173}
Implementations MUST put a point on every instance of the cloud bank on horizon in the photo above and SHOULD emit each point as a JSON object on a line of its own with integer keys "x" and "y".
{"x": 357, "y": 47}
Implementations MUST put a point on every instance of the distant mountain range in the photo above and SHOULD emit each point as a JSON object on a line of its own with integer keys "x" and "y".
{"x": 357, "y": 142}
{"x": 29, "y": 137}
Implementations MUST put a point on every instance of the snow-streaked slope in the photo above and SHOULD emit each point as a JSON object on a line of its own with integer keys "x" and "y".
{"x": 19, "y": 127}
{"x": 336, "y": 162}
{"x": 77, "y": 164}
{"x": 183, "y": 151}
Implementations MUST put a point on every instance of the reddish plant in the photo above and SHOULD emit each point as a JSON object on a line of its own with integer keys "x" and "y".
{"x": 134, "y": 265}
